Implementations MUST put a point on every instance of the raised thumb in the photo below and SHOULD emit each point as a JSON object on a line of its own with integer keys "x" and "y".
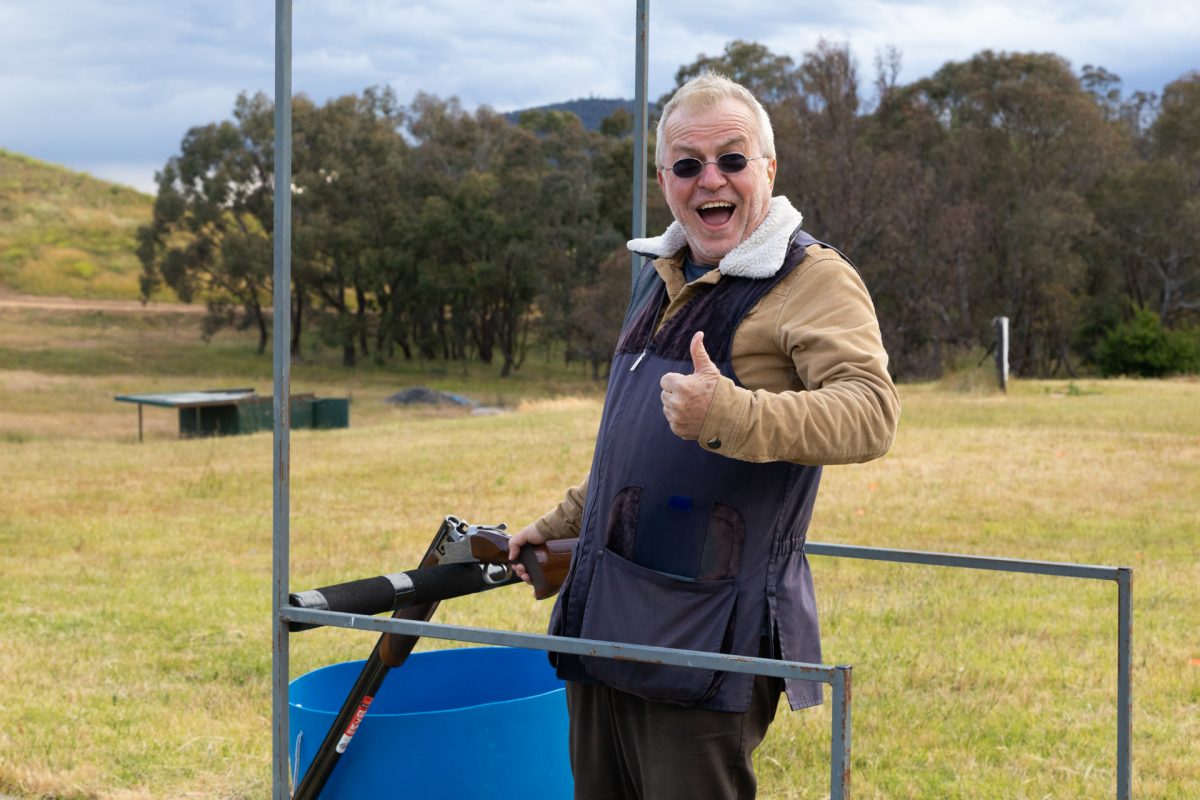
{"x": 700, "y": 360}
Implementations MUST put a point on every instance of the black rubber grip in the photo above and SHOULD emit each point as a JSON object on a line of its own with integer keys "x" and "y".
{"x": 366, "y": 596}
{"x": 444, "y": 582}
{"x": 379, "y": 594}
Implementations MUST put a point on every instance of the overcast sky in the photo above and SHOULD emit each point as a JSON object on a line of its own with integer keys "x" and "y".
{"x": 111, "y": 87}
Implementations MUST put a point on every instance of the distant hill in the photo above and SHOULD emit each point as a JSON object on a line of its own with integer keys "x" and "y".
{"x": 591, "y": 111}
{"x": 67, "y": 233}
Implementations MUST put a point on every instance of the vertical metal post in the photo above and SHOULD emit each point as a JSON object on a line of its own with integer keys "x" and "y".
{"x": 640, "y": 68}
{"x": 1124, "y": 682}
{"x": 839, "y": 764}
{"x": 139, "y": 405}
{"x": 282, "y": 332}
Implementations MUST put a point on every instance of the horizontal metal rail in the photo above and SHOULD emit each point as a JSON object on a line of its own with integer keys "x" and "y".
{"x": 565, "y": 644}
{"x": 1061, "y": 569}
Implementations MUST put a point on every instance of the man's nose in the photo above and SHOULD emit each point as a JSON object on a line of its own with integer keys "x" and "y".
{"x": 711, "y": 176}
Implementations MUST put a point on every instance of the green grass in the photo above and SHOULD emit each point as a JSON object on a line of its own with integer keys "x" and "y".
{"x": 67, "y": 233}
{"x": 134, "y": 632}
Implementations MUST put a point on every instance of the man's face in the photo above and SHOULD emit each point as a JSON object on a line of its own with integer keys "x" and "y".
{"x": 717, "y": 211}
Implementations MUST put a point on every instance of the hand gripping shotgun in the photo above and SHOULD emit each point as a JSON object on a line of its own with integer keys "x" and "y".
{"x": 462, "y": 559}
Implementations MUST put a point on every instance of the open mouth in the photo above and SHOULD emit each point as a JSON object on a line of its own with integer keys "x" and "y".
{"x": 715, "y": 213}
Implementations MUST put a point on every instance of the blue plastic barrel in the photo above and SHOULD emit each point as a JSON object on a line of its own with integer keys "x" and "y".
{"x": 483, "y": 722}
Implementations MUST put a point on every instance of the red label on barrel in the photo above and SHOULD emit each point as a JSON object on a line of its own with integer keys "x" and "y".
{"x": 352, "y": 728}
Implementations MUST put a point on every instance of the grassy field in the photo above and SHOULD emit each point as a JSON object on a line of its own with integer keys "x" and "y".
{"x": 134, "y": 606}
{"x": 67, "y": 233}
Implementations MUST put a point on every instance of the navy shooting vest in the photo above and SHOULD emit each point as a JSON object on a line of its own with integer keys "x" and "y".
{"x": 680, "y": 546}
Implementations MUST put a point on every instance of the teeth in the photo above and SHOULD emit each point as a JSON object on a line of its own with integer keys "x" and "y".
{"x": 715, "y": 204}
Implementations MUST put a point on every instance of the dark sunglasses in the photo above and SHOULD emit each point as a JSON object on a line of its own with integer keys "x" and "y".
{"x": 729, "y": 164}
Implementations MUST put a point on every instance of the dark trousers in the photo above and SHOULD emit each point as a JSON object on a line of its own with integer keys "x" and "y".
{"x": 626, "y": 748}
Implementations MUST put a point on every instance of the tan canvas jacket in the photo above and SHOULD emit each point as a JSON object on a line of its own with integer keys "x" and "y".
{"x": 815, "y": 386}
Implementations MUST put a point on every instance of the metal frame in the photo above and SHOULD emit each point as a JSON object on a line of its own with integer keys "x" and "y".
{"x": 837, "y": 676}
{"x": 1122, "y": 576}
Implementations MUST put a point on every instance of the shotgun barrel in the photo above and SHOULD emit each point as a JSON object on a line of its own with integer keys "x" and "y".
{"x": 401, "y": 589}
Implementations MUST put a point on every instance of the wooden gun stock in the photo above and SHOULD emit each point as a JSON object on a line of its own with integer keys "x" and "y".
{"x": 547, "y": 564}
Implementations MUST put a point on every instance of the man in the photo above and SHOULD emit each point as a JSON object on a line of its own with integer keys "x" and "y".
{"x": 750, "y": 356}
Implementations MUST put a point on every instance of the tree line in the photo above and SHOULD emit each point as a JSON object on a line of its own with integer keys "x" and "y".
{"x": 1004, "y": 185}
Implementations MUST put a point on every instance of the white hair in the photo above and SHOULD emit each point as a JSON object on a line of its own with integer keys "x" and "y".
{"x": 705, "y": 91}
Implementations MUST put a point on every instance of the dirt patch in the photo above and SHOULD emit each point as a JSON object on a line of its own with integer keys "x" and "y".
{"x": 71, "y": 304}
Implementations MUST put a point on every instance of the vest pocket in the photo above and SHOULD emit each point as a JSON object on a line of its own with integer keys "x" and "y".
{"x": 636, "y": 605}
{"x": 623, "y": 520}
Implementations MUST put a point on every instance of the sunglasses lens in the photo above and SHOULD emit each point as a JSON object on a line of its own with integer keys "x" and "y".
{"x": 687, "y": 167}
{"x": 691, "y": 167}
{"x": 732, "y": 162}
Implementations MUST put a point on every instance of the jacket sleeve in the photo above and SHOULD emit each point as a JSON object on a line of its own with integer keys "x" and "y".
{"x": 562, "y": 522}
{"x": 847, "y": 409}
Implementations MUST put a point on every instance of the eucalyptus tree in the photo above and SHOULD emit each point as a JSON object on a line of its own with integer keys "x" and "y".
{"x": 479, "y": 180}
{"x": 209, "y": 236}
{"x": 354, "y": 208}
{"x": 1174, "y": 255}
{"x": 769, "y": 76}
{"x": 575, "y": 213}
{"x": 1024, "y": 144}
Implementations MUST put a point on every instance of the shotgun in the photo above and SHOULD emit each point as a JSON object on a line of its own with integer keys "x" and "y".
{"x": 462, "y": 559}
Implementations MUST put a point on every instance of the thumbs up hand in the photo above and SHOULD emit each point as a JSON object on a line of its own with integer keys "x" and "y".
{"x": 686, "y": 398}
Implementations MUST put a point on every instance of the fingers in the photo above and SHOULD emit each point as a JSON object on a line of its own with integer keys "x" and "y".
{"x": 529, "y": 535}
{"x": 675, "y": 407}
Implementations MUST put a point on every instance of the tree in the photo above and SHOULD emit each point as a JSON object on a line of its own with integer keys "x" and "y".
{"x": 1175, "y": 138}
{"x": 480, "y": 179}
{"x": 209, "y": 237}
{"x": 1023, "y": 145}
{"x": 768, "y": 76}
{"x": 598, "y": 308}
{"x": 576, "y": 210}
{"x": 356, "y": 207}
{"x": 1001, "y": 185}
{"x": 1148, "y": 220}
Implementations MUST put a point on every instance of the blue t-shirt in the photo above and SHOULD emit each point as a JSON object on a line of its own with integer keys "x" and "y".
{"x": 692, "y": 270}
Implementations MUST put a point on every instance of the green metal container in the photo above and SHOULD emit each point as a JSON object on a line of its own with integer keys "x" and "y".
{"x": 302, "y": 411}
{"x": 331, "y": 412}
{"x": 209, "y": 421}
{"x": 256, "y": 414}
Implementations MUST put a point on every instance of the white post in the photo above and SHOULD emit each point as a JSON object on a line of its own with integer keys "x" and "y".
{"x": 1001, "y": 324}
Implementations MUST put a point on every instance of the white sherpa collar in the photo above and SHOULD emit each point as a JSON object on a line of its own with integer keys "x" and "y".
{"x": 760, "y": 256}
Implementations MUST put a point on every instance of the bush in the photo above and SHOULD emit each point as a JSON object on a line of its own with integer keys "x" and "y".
{"x": 1142, "y": 346}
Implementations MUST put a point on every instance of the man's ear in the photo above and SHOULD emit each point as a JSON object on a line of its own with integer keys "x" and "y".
{"x": 771, "y": 165}
{"x": 658, "y": 173}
